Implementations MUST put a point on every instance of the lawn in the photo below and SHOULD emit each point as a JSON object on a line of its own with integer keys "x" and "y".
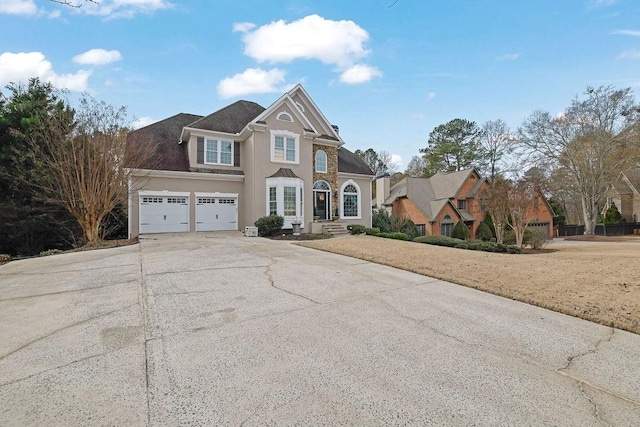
{"x": 597, "y": 281}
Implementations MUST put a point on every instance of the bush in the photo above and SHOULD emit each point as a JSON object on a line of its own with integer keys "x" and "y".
{"x": 356, "y": 228}
{"x": 484, "y": 232}
{"x": 460, "y": 231}
{"x": 50, "y": 252}
{"x": 269, "y": 225}
{"x": 372, "y": 231}
{"x": 461, "y": 244}
{"x": 510, "y": 237}
{"x": 538, "y": 239}
{"x": 380, "y": 219}
{"x": 397, "y": 236}
{"x": 438, "y": 240}
{"x": 410, "y": 229}
{"x": 4, "y": 258}
{"x": 488, "y": 219}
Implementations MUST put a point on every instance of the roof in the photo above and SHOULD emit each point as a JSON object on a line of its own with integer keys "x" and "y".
{"x": 284, "y": 173}
{"x": 230, "y": 119}
{"x": 351, "y": 163}
{"x": 432, "y": 194}
{"x": 633, "y": 176}
{"x": 158, "y": 145}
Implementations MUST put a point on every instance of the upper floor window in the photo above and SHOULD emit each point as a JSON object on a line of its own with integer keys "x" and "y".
{"x": 285, "y": 147}
{"x": 218, "y": 152}
{"x": 350, "y": 196}
{"x": 321, "y": 161}
{"x": 462, "y": 204}
{"x": 285, "y": 117}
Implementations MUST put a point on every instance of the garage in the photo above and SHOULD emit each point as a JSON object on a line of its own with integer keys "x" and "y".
{"x": 164, "y": 212}
{"x": 544, "y": 227}
{"x": 216, "y": 211}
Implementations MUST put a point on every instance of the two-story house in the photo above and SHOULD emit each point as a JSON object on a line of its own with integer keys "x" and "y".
{"x": 436, "y": 204}
{"x": 225, "y": 170}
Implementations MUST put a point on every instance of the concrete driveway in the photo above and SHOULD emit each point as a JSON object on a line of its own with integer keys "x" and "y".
{"x": 219, "y": 329}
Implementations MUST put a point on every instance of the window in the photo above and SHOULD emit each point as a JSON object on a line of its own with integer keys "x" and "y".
{"x": 284, "y": 147}
{"x": 152, "y": 200}
{"x": 462, "y": 204}
{"x": 321, "y": 161}
{"x": 218, "y": 152}
{"x": 350, "y": 196}
{"x": 273, "y": 203}
{"x": 446, "y": 226}
{"x": 284, "y": 198}
{"x": 285, "y": 117}
{"x": 181, "y": 200}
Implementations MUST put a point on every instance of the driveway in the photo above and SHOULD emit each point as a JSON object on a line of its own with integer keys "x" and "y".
{"x": 219, "y": 329}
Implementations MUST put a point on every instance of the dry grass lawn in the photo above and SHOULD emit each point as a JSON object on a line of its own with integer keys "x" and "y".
{"x": 597, "y": 281}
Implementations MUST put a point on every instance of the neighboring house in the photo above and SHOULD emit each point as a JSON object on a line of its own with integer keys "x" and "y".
{"x": 436, "y": 204}
{"x": 225, "y": 170}
{"x": 625, "y": 193}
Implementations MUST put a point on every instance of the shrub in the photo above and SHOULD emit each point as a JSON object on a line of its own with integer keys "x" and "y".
{"x": 438, "y": 240}
{"x": 510, "y": 237}
{"x": 380, "y": 219}
{"x": 356, "y": 228}
{"x": 4, "y": 258}
{"x": 50, "y": 252}
{"x": 461, "y": 244}
{"x": 397, "y": 236}
{"x": 269, "y": 225}
{"x": 612, "y": 215}
{"x": 484, "y": 232}
{"x": 460, "y": 231}
{"x": 538, "y": 239}
{"x": 372, "y": 231}
{"x": 488, "y": 219}
{"x": 410, "y": 229}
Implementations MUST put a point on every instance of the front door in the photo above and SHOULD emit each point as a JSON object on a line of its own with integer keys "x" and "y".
{"x": 321, "y": 205}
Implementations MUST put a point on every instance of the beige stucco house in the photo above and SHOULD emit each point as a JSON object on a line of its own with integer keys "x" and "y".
{"x": 225, "y": 170}
{"x": 625, "y": 193}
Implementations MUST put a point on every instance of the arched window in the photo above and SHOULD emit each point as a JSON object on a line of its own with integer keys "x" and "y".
{"x": 446, "y": 226}
{"x": 350, "y": 197}
{"x": 285, "y": 117}
{"x": 321, "y": 161}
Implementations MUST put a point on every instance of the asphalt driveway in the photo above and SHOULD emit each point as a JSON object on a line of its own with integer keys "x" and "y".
{"x": 219, "y": 329}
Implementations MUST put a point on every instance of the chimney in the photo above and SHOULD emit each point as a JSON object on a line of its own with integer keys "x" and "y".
{"x": 383, "y": 185}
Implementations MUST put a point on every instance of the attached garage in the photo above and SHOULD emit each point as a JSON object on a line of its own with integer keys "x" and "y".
{"x": 544, "y": 227}
{"x": 164, "y": 212}
{"x": 216, "y": 211}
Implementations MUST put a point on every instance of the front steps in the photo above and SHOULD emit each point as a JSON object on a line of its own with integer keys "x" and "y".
{"x": 335, "y": 228}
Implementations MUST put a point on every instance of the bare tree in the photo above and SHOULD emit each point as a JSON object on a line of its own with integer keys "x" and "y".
{"x": 497, "y": 141}
{"x": 593, "y": 140}
{"x": 498, "y": 205}
{"x": 78, "y": 3}
{"x": 415, "y": 168}
{"x": 84, "y": 153}
{"x": 523, "y": 203}
{"x": 379, "y": 163}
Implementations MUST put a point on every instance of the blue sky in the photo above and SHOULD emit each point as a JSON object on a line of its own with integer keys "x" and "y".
{"x": 386, "y": 75}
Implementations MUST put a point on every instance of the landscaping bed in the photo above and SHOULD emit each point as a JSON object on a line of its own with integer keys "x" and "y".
{"x": 597, "y": 281}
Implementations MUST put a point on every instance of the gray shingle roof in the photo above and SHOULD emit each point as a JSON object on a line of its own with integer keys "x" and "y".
{"x": 350, "y": 163}
{"x": 161, "y": 138}
{"x": 230, "y": 119}
{"x": 633, "y": 175}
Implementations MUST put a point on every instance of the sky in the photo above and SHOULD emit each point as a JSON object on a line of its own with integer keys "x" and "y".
{"x": 387, "y": 73}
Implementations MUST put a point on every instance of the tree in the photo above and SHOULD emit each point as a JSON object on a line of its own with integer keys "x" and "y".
{"x": 498, "y": 206}
{"x": 461, "y": 231}
{"x": 523, "y": 200}
{"x": 593, "y": 140}
{"x": 612, "y": 215}
{"x": 379, "y": 163}
{"x": 496, "y": 141}
{"x": 453, "y": 146}
{"x": 415, "y": 168}
{"x": 84, "y": 153}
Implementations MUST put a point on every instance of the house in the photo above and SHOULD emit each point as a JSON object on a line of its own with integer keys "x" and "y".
{"x": 625, "y": 193}
{"x": 225, "y": 170}
{"x": 436, "y": 204}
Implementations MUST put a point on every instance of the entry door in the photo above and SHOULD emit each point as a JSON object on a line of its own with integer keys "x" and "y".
{"x": 321, "y": 204}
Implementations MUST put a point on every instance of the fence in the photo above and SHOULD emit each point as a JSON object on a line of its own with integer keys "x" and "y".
{"x": 601, "y": 229}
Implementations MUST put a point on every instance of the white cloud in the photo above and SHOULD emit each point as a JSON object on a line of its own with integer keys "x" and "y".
{"x": 123, "y": 8}
{"x": 16, "y": 67}
{"x": 312, "y": 37}
{"x": 97, "y": 57}
{"x": 396, "y": 159}
{"x": 141, "y": 122}
{"x": 18, "y": 7}
{"x": 431, "y": 95}
{"x": 359, "y": 73}
{"x": 508, "y": 57}
{"x": 252, "y": 80}
{"x": 630, "y": 54}
{"x": 634, "y": 33}
{"x": 243, "y": 27}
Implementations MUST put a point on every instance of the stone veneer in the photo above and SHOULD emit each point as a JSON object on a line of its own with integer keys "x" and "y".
{"x": 332, "y": 172}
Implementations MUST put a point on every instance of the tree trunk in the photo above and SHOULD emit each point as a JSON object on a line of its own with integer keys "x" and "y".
{"x": 590, "y": 214}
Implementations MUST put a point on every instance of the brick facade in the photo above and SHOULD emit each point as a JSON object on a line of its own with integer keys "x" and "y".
{"x": 331, "y": 176}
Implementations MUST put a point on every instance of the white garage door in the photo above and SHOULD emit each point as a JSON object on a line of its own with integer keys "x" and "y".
{"x": 216, "y": 211}
{"x": 164, "y": 213}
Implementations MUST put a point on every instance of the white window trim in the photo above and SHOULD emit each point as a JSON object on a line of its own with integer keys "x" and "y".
{"x": 218, "y": 144}
{"x": 285, "y": 134}
{"x": 342, "y": 187}
{"x": 326, "y": 160}
{"x": 281, "y": 116}
{"x": 279, "y": 184}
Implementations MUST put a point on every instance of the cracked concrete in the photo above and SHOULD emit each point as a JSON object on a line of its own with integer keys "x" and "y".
{"x": 216, "y": 328}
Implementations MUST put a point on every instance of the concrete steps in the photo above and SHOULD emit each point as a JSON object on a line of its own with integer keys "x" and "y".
{"x": 335, "y": 228}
